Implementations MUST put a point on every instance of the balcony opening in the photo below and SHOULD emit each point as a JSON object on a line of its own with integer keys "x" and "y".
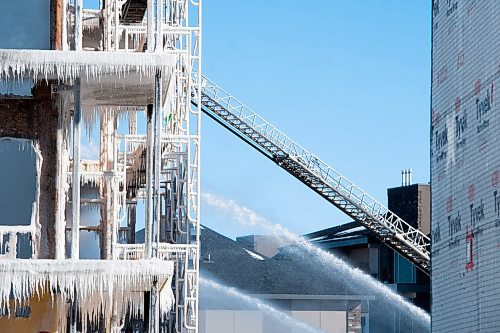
{"x": 18, "y": 196}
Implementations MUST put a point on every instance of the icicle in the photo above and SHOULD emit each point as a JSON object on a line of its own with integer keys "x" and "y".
{"x": 102, "y": 286}
{"x": 64, "y": 65}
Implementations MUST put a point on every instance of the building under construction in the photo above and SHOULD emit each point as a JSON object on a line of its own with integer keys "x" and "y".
{"x": 465, "y": 166}
{"x": 126, "y": 74}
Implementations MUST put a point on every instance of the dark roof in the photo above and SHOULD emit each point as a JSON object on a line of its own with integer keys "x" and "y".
{"x": 330, "y": 232}
{"x": 349, "y": 235}
{"x": 290, "y": 272}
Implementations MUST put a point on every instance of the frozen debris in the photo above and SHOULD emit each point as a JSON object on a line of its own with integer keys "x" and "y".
{"x": 64, "y": 65}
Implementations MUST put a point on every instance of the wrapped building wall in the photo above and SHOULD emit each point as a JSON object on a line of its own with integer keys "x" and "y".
{"x": 465, "y": 166}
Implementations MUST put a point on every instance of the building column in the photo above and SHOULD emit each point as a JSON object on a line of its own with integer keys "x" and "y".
{"x": 107, "y": 187}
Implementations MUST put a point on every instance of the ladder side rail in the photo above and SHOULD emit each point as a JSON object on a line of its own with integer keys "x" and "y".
{"x": 413, "y": 237}
{"x": 383, "y": 215}
{"x": 375, "y": 207}
{"x": 375, "y": 216}
{"x": 409, "y": 252}
{"x": 294, "y": 149}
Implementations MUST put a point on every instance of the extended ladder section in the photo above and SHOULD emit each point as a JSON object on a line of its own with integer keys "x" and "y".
{"x": 313, "y": 172}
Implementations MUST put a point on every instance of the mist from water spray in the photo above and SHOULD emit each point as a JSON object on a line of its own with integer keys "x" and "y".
{"x": 255, "y": 303}
{"x": 356, "y": 279}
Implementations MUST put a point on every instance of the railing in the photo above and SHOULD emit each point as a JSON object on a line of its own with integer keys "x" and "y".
{"x": 186, "y": 272}
{"x": 8, "y": 250}
{"x": 166, "y": 251}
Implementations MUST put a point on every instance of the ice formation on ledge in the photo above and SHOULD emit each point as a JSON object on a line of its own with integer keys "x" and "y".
{"x": 63, "y": 65}
{"x": 99, "y": 286}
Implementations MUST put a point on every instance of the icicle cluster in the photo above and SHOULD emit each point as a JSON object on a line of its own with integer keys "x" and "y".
{"x": 100, "y": 286}
{"x": 64, "y": 65}
{"x": 91, "y": 114}
{"x": 96, "y": 178}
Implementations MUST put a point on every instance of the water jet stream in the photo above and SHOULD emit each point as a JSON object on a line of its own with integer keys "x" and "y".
{"x": 258, "y": 304}
{"x": 353, "y": 278}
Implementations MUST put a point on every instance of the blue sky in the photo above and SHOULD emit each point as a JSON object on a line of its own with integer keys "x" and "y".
{"x": 348, "y": 80}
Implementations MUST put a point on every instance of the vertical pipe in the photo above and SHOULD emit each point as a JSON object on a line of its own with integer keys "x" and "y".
{"x": 75, "y": 207}
{"x": 147, "y": 302}
{"x": 117, "y": 21}
{"x": 73, "y": 315}
{"x": 64, "y": 20}
{"x": 149, "y": 178}
{"x": 125, "y": 40}
{"x": 154, "y": 313}
{"x": 60, "y": 224}
{"x": 132, "y": 218}
{"x": 132, "y": 122}
{"x": 56, "y": 24}
{"x": 150, "y": 26}
{"x": 159, "y": 33}
{"x": 157, "y": 158}
{"x": 108, "y": 189}
{"x": 198, "y": 152}
{"x": 78, "y": 25}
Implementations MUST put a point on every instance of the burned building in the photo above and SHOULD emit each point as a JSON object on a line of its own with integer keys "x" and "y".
{"x": 122, "y": 76}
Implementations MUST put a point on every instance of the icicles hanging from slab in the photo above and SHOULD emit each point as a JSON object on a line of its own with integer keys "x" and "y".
{"x": 64, "y": 65}
{"x": 101, "y": 286}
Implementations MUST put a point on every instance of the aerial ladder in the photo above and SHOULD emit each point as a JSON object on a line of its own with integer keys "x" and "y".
{"x": 408, "y": 241}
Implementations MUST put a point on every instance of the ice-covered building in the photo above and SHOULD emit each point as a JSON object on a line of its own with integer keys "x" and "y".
{"x": 465, "y": 166}
{"x": 120, "y": 79}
